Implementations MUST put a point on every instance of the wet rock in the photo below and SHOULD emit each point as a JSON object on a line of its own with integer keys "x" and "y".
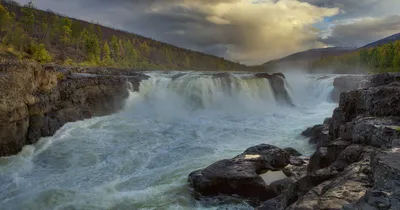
{"x": 378, "y": 199}
{"x": 295, "y": 172}
{"x": 318, "y": 134}
{"x": 313, "y": 131}
{"x": 272, "y": 204}
{"x": 241, "y": 175}
{"x": 384, "y": 79}
{"x": 231, "y": 178}
{"x": 279, "y": 87}
{"x": 292, "y": 151}
{"x": 281, "y": 185}
{"x": 297, "y": 161}
{"x": 335, "y": 148}
{"x": 348, "y": 83}
{"x": 279, "y": 75}
{"x": 263, "y": 75}
{"x": 319, "y": 160}
{"x": 345, "y": 188}
{"x": 350, "y": 155}
{"x": 305, "y": 184}
{"x": 386, "y": 169}
{"x": 271, "y": 157}
{"x": 374, "y": 131}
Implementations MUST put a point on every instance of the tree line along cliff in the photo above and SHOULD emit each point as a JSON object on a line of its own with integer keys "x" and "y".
{"x": 44, "y": 36}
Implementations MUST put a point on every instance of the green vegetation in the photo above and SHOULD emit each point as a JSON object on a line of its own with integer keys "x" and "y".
{"x": 43, "y": 36}
{"x": 384, "y": 58}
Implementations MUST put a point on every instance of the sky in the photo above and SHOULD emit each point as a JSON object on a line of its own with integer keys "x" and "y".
{"x": 248, "y": 31}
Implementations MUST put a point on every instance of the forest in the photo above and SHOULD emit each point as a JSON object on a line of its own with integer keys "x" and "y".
{"x": 27, "y": 33}
{"x": 383, "y": 58}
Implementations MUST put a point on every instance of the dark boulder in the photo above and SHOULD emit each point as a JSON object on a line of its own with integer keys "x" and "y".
{"x": 241, "y": 175}
{"x": 292, "y": 151}
{"x": 272, "y": 157}
{"x": 318, "y": 134}
{"x": 273, "y": 204}
{"x": 319, "y": 160}
{"x": 349, "y": 156}
{"x": 281, "y": 185}
{"x": 335, "y": 148}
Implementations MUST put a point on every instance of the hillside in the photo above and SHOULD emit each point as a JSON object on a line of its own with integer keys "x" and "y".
{"x": 379, "y": 56}
{"x": 306, "y": 58}
{"x": 383, "y": 41}
{"x": 30, "y": 33}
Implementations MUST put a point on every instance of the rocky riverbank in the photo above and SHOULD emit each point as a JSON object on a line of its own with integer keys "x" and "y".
{"x": 356, "y": 164}
{"x": 36, "y": 100}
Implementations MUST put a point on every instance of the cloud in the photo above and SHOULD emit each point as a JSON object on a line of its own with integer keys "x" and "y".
{"x": 350, "y": 9}
{"x": 248, "y": 31}
{"x": 362, "y": 31}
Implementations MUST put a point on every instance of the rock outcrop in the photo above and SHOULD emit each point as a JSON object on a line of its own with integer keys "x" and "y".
{"x": 36, "y": 100}
{"x": 363, "y": 147}
{"x": 277, "y": 81}
{"x": 349, "y": 83}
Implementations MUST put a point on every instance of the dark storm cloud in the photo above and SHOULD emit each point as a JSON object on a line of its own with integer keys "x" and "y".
{"x": 360, "y": 8}
{"x": 243, "y": 30}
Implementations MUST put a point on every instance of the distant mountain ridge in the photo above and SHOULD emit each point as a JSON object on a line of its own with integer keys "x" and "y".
{"x": 387, "y": 40}
{"x": 306, "y": 58}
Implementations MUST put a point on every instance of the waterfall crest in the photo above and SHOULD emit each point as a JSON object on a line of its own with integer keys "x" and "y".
{"x": 199, "y": 91}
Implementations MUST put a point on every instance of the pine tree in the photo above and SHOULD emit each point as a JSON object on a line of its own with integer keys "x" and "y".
{"x": 115, "y": 48}
{"x": 28, "y": 18}
{"x": 66, "y": 31}
{"x": 107, "y": 61}
{"x": 144, "y": 50}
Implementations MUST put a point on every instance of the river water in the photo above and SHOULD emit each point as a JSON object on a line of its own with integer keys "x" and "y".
{"x": 140, "y": 157}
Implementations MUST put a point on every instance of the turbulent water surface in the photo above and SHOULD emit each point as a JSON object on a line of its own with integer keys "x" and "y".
{"x": 140, "y": 157}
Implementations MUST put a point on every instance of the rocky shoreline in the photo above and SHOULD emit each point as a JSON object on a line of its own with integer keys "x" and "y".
{"x": 356, "y": 164}
{"x": 37, "y": 100}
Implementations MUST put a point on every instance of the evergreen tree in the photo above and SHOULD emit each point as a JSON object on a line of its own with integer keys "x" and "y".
{"x": 66, "y": 31}
{"x": 28, "y": 18}
{"x": 115, "y": 48}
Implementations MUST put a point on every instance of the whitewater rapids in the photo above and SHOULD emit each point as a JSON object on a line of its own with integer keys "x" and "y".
{"x": 140, "y": 157}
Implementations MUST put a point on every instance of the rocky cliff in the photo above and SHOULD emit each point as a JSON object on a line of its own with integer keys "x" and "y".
{"x": 36, "y": 100}
{"x": 356, "y": 164}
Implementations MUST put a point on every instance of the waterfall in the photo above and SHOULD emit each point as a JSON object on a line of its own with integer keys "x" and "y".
{"x": 198, "y": 91}
{"x": 130, "y": 86}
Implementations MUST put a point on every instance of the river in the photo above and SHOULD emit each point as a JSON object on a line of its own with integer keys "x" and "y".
{"x": 140, "y": 157}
